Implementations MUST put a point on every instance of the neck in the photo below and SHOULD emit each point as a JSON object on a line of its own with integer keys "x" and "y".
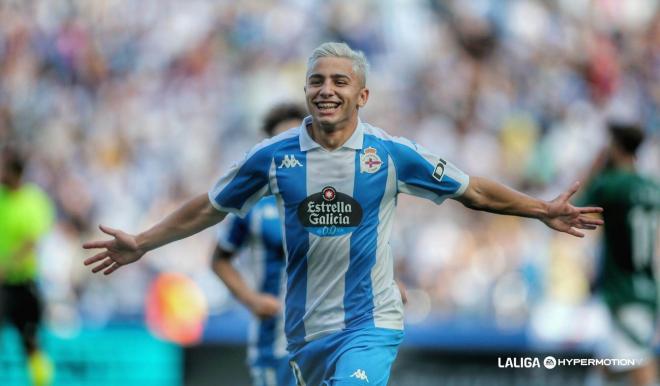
{"x": 332, "y": 137}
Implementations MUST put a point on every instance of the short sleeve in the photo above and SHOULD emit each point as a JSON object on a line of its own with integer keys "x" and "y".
{"x": 423, "y": 174}
{"x": 245, "y": 182}
{"x": 233, "y": 233}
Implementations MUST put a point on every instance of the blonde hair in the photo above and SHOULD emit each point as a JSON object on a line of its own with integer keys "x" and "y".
{"x": 341, "y": 50}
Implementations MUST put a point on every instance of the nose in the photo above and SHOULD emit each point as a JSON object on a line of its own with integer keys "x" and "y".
{"x": 327, "y": 89}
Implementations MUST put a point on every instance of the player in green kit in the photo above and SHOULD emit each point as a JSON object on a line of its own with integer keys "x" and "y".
{"x": 627, "y": 282}
{"x": 26, "y": 214}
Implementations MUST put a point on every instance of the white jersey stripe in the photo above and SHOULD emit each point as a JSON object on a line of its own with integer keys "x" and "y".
{"x": 388, "y": 307}
{"x": 328, "y": 257}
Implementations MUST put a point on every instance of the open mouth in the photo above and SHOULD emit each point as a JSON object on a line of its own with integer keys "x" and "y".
{"x": 327, "y": 107}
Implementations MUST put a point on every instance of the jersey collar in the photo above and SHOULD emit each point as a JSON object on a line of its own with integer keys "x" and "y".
{"x": 307, "y": 143}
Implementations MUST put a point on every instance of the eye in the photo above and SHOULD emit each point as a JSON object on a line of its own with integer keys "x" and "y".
{"x": 314, "y": 82}
{"x": 341, "y": 82}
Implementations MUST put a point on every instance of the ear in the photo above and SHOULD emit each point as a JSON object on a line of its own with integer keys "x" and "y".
{"x": 363, "y": 97}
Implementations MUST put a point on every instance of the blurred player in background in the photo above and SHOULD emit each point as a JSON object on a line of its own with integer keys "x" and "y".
{"x": 336, "y": 182}
{"x": 26, "y": 214}
{"x": 261, "y": 231}
{"x": 627, "y": 281}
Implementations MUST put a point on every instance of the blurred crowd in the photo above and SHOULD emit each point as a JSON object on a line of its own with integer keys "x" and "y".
{"x": 129, "y": 108}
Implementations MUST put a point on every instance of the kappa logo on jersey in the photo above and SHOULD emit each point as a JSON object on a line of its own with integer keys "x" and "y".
{"x": 361, "y": 375}
{"x": 439, "y": 169}
{"x": 370, "y": 161}
{"x": 330, "y": 213}
{"x": 289, "y": 161}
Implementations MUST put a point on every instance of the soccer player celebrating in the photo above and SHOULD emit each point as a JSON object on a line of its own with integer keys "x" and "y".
{"x": 260, "y": 230}
{"x": 335, "y": 180}
{"x": 627, "y": 280}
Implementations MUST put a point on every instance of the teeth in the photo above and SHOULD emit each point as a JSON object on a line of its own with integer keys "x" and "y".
{"x": 327, "y": 105}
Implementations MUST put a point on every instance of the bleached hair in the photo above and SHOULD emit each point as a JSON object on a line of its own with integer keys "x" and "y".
{"x": 341, "y": 50}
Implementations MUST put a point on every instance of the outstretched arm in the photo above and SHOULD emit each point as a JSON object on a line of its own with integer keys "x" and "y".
{"x": 262, "y": 305}
{"x": 194, "y": 216}
{"x": 558, "y": 214}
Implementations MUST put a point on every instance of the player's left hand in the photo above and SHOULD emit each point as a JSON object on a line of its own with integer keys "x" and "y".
{"x": 564, "y": 217}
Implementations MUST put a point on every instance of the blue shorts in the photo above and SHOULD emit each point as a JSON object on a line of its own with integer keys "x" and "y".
{"x": 274, "y": 373}
{"x": 351, "y": 357}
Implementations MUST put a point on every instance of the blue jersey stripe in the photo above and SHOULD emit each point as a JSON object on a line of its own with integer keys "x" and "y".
{"x": 292, "y": 185}
{"x": 238, "y": 231}
{"x": 265, "y": 340}
{"x": 274, "y": 263}
{"x": 271, "y": 237}
{"x": 250, "y": 178}
{"x": 368, "y": 191}
{"x": 415, "y": 170}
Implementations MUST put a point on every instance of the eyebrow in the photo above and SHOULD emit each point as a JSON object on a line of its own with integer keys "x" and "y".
{"x": 333, "y": 76}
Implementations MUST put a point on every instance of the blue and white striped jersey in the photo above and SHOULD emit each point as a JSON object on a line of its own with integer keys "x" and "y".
{"x": 261, "y": 232}
{"x": 337, "y": 208}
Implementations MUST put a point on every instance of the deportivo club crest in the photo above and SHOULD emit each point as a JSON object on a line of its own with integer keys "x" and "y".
{"x": 370, "y": 161}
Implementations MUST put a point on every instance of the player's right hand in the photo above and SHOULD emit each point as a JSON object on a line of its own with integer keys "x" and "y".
{"x": 121, "y": 250}
{"x": 265, "y": 306}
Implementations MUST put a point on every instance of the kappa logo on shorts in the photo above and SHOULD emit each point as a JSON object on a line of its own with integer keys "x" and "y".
{"x": 289, "y": 161}
{"x": 439, "y": 170}
{"x": 361, "y": 375}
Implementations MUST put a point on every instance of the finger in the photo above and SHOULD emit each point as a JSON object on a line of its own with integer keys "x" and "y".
{"x": 110, "y": 270}
{"x": 108, "y": 230}
{"x": 590, "y": 209}
{"x": 571, "y": 191}
{"x": 98, "y": 244}
{"x": 95, "y": 258}
{"x": 102, "y": 266}
{"x": 586, "y": 226}
{"x": 575, "y": 233}
{"x": 590, "y": 220}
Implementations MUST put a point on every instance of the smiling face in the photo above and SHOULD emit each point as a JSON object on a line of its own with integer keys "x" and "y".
{"x": 334, "y": 93}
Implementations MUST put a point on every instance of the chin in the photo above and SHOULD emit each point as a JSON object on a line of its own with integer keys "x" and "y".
{"x": 326, "y": 120}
